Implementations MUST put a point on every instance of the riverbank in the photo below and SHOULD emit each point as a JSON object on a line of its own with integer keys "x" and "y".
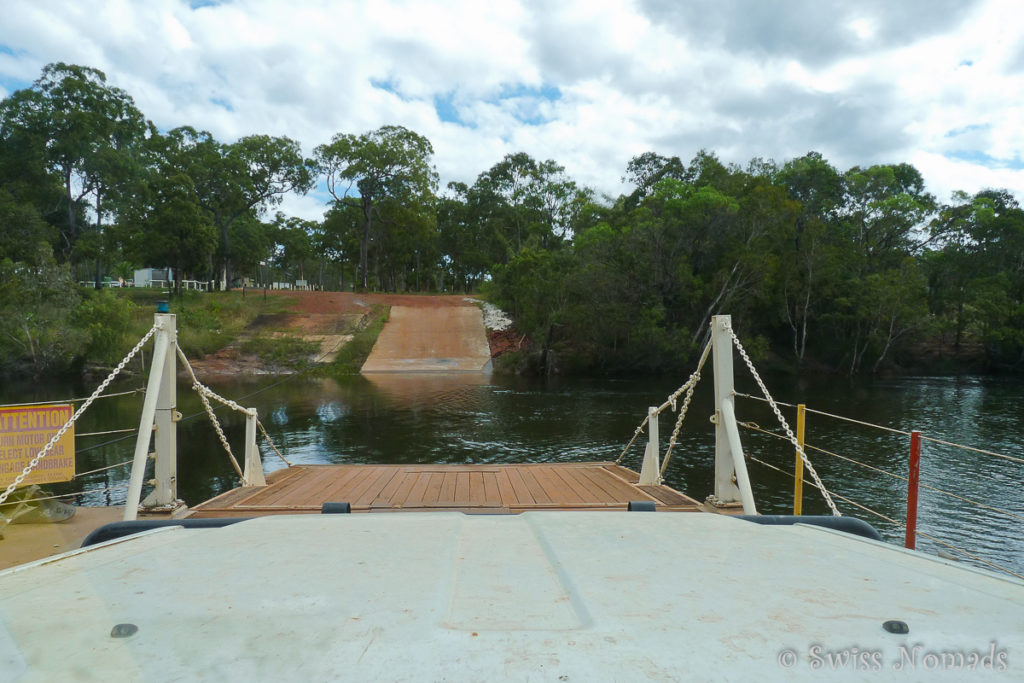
{"x": 337, "y": 331}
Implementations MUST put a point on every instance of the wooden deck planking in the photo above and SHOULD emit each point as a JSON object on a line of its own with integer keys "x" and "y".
{"x": 665, "y": 495}
{"x": 433, "y": 492}
{"x": 495, "y": 488}
{"x": 276, "y": 482}
{"x": 402, "y": 492}
{"x": 447, "y": 491}
{"x": 580, "y": 487}
{"x": 538, "y": 494}
{"x": 415, "y": 497}
{"x": 554, "y": 487}
{"x": 515, "y": 480}
{"x": 627, "y": 475}
{"x": 613, "y": 487}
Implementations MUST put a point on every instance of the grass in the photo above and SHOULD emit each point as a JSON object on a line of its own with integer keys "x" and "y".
{"x": 285, "y": 351}
{"x": 352, "y": 355}
{"x": 206, "y": 322}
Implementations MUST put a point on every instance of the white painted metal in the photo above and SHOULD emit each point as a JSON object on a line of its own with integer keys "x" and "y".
{"x": 253, "y": 475}
{"x": 165, "y": 437}
{"x": 650, "y": 472}
{"x": 732, "y": 433}
{"x": 726, "y": 490}
{"x": 578, "y": 596}
{"x": 149, "y": 405}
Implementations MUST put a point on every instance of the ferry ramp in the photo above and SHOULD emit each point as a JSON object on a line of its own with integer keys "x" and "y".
{"x": 435, "y": 339}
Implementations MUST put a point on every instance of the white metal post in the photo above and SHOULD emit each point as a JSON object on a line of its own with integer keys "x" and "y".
{"x": 726, "y": 490}
{"x": 650, "y": 473}
{"x": 732, "y": 432}
{"x": 165, "y": 437}
{"x": 156, "y": 371}
{"x": 253, "y": 474}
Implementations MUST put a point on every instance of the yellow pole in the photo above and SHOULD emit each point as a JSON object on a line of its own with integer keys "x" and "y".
{"x": 798, "y": 485}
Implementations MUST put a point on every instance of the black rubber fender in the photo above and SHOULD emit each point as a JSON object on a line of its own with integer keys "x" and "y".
{"x": 850, "y": 525}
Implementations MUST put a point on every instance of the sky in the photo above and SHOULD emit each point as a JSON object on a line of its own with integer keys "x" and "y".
{"x": 588, "y": 83}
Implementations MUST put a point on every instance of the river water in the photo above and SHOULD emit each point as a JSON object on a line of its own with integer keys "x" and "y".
{"x": 482, "y": 419}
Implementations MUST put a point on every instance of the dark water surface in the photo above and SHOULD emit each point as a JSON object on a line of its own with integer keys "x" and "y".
{"x": 482, "y": 419}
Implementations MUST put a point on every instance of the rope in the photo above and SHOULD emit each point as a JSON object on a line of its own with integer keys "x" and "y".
{"x": 857, "y": 462}
{"x": 982, "y": 451}
{"x": 638, "y": 432}
{"x": 821, "y": 412}
{"x": 112, "y": 431}
{"x": 753, "y": 427}
{"x": 74, "y": 418}
{"x": 203, "y": 392}
{"x": 897, "y": 522}
{"x": 74, "y": 495}
{"x": 104, "y": 469}
{"x": 73, "y": 400}
{"x": 975, "y": 450}
{"x": 271, "y": 442}
{"x": 690, "y": 385}
{"x": 785, "y": 425}
{"x": 970, "y": 555}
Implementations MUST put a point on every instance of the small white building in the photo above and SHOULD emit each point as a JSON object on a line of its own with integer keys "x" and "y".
{"x": 148, "y": 277}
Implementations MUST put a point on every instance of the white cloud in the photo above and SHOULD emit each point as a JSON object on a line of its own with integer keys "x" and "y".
{"x": 861, "y": 84}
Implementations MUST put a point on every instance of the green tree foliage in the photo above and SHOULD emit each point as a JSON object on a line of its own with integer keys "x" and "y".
{"x": 233, "y": 181}
{"x": 852, "y": 270}
{"x": 89, "y": 135}
{"x": 167, "y": 225}
{"x": 388, "y": 168}
{"x": 38, "y": 299}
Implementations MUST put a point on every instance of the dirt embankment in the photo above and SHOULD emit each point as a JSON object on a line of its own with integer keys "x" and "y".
{"x": 326, "y": 318}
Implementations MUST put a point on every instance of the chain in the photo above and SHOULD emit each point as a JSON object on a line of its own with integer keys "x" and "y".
{"x": 639, "y": 430}
{"x": 785, "y": 425}
{"x": 271, "y": 442}
{"x": 67, "y": 425}
{"x": 203, "y": 393}
{"x": 690, "y": 385}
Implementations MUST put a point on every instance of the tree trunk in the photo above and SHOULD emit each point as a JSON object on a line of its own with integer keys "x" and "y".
{"x": 227, "y": 257}
{"x": 99, "y": 233}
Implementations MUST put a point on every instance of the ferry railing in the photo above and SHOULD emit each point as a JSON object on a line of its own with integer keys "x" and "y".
{"x": 157, "y": 425}
{"x": 732, "y": 482}
{"x": 911, "y": 479}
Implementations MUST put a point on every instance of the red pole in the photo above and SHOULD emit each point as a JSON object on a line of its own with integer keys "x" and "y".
{"x": 912, "y": 482}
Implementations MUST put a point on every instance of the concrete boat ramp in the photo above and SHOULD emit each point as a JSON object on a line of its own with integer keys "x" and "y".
{"x": 437, "y": 339}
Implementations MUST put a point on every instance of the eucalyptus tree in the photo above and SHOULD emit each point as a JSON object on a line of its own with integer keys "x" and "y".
{"x": 646, "y": 170}
{"x": 808, "y": 254}
{"x": 884, "y": 216}
{"x": 85, "y": 132}
{"x": 165, "y": 224}
{"x": 387, "y": 166}
{"x": 521, "y": 198}
{"x": 293, "y": 240}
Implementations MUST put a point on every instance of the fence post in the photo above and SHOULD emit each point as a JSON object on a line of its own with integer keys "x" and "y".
{"x": 650, "y": 473}
{"x": 912, "y": 484}
{"x": 798, "y": 482}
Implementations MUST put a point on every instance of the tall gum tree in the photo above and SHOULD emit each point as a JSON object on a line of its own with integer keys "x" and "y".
{"x": 85, "y": 132}
{"x": 390, "y": 164}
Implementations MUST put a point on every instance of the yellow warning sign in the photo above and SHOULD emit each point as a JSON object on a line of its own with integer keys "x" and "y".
{"x": 24, "y": 431}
